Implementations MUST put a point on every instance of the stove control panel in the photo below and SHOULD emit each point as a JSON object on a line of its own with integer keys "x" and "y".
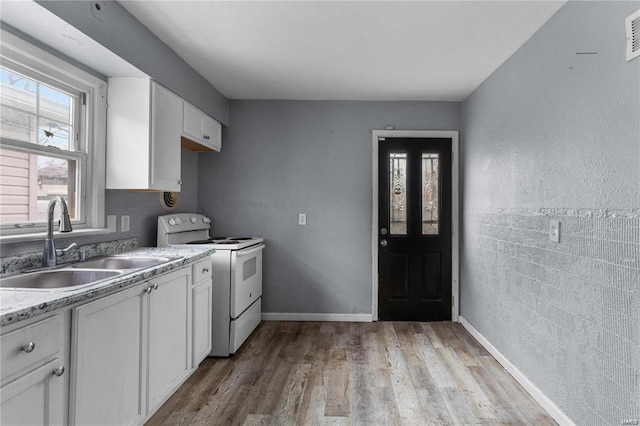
{"x": 185, "y": 225}
{"x": 181, "y": 222}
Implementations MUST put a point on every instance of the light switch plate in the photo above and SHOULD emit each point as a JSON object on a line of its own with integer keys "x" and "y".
{"x": 554, "y": 231}
{"x": 112, "y": 220}
{"x": 302, "y": 218}
{"x": 124, "y": 223}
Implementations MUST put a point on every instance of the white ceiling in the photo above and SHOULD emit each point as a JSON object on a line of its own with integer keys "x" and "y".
{"x": 341, "y": 50}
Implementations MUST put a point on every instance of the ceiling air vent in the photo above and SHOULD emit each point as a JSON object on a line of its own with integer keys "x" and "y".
{"x": 632, "y": 23}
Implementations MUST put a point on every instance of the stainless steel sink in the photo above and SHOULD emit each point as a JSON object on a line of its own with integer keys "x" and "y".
{"x": 122, "y": 262}
{"x": 57, "y": 279}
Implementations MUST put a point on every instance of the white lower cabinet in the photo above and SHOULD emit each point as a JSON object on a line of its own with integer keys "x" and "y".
{"x": 130, "y": 351}
{"x": 112, "y": 361}
{"x": 33, "y": 381}
{"x": 107, "y": 374}
{"x": 169, "y": 356}
{"x": 202, "y": 300}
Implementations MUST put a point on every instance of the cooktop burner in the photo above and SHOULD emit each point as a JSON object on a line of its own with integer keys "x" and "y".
{"x": 200, "y": 242}
{"x": 226, "y": 242}
{"x": 242, "y": 238}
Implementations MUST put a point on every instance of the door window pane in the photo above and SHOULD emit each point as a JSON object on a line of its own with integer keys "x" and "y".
{"x": 28, "y": 181}
{"x": 430, "y": 196}
{"x": 398, "y": 193}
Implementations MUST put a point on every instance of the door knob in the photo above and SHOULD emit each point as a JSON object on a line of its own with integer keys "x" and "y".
{"x": 383, "y": 243}
{"x": 58, "y": 371}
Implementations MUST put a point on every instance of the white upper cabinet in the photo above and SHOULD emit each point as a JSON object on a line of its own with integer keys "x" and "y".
{"x": 144, "y": 124}
{"x": 200, "y": 132}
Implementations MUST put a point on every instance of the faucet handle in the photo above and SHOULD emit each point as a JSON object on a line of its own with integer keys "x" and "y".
{"x": 62, "y": 252}
{"x": 83, "y": 256}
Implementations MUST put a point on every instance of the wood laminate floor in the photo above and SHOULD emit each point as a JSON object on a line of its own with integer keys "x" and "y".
{"x": 382, "y": 373}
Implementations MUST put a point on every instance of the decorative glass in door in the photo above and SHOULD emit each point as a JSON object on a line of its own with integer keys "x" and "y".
{"x": 397, "y": 193}
{"x": 430, "y": 189}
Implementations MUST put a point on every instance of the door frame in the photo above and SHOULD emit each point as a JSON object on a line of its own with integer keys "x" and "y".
{"x": 455, "y": 216}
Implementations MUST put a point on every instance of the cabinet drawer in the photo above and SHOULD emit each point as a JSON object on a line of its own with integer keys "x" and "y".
{"x": 202, "y": 270}
{"x": 30, "y": 346}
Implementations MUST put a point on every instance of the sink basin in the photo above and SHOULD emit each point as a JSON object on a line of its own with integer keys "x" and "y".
{"x": 58, "y": 279}
{"x": 122, "y": 262}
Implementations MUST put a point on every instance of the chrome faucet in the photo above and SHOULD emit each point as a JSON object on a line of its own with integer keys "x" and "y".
{"x": 50, "y": 254}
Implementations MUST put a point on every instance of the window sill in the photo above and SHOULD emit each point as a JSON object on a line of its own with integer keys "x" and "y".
{"x": 37, "y": 236}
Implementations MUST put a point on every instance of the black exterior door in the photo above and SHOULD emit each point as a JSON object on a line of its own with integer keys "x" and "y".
{"x": 414, "y": 235}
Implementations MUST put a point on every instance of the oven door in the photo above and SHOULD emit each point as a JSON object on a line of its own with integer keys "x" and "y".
{"x": 246, "y": 278}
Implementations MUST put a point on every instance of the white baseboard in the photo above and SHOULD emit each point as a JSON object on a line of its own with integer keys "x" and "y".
{"x": 278, "y": 316}
{"x": 549, "y": 406}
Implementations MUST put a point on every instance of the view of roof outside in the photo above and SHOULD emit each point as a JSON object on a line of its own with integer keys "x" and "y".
{"x": 40, "y": 115}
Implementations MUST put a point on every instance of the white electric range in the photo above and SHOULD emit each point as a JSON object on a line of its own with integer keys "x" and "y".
{"x": 236, "y": 273}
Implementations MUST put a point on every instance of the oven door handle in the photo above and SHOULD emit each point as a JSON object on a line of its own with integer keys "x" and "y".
{"x": 249, "y": 251}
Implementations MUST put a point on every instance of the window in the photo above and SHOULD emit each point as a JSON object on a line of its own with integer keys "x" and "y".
{"x": 51, "y": 139}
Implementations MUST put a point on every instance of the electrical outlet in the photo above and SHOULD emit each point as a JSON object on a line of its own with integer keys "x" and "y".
{"x": 302, "y": 218}
{"x": 112, "y": 222}
{"x": 554, "y": 231}
{"x": 124, "y": 223}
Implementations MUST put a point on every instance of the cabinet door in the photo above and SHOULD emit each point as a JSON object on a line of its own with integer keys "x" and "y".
{"x": 213, "y": 133}
{"x": 169, "y": 336}
{"x": 202, "y": 305}
{"x": 35, "y": 398}
{"x": 166, "y": 123}
{"x": 192, "y": 122}
{"x": 107, "y": 375}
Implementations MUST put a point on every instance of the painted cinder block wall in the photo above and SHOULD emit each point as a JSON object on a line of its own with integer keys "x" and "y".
{"x": 555, "y": 134}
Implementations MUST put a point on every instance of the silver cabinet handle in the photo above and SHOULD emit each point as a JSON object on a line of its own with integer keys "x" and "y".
{"x": 205, "y": 270}
{"x": 179, "y": 182}
{"x": 149, "y": 289}
{"x": 29, "y": 347}
{"x": 155, "y": 286}
{"x": 383, "y": 243}
{"x": 383, "y": 231}
{"x": 58, "y": 371}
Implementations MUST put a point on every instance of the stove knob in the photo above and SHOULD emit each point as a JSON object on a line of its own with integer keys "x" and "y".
{"x": 194, "y": 219}
{"x": 178, "y": 220}
{"x": 172, "y": 222}
{"x": 208, "y": 220}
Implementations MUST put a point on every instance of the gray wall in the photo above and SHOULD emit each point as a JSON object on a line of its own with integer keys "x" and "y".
{"x": 116, "y": 29}
{"x": 556, "y": 135}
{"x": 281, "y": 158}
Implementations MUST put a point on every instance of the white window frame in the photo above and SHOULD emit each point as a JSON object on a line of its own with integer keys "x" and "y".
{"x": 41, "y": 65}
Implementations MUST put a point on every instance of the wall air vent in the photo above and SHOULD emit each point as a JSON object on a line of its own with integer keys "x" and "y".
{"x": 168, "y": 201}
{"x": 632, "y": 24}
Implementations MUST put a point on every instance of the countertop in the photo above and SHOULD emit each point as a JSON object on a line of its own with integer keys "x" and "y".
{"x": 18, "y": 305}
